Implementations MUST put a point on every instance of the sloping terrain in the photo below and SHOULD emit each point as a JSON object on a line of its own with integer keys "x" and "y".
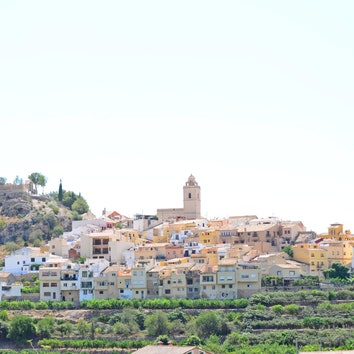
{"x": 22, "y": 213}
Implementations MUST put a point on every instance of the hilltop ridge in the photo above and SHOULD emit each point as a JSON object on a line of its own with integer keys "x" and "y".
{"x": 22, "y": 213}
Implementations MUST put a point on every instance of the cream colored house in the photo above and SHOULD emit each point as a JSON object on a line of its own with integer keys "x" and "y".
{"x": 59, "y": 246}
{"x": 248, "y": 278}
{"x": 124, "y": 280}
{"x": 151, "y": 251}
{"x": 138, "y": 282}
{"x": 338, "y": 251}
{"x": 106, "y": 283}
{"x": 208, "y": 282}
{"x": 108, "y": 244}
{"x": 288, "y": 272}
{"x": 50, "y": 280}
{"x": 226, "y": 279}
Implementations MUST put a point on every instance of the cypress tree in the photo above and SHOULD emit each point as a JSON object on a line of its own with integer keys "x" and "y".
{"x": 60, "y": 193}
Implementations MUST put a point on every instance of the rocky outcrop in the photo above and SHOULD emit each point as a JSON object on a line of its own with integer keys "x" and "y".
{"x": 24, "y": 213}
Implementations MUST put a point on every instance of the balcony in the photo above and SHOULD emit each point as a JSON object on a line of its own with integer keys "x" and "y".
{"x": 69, "y": 286}
{"x": 69, "y": 277}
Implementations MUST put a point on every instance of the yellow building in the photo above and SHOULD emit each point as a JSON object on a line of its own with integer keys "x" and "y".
{"x": 313, "y": 255}
{"x": 335, "y": 232}
{"x": 151, "y": 251}
{"x": 199, "y": 258}
{"x": 208, "y": 236}
{"x": 163, "y": 232}
{"x": 338, "y": 251}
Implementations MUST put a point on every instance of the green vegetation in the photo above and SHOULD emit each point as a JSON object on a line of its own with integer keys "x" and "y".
{"x": 2, "y": 224}
{"x": 60, "y": 192}
{"x": 75, "y": 202}
{"x": 288, "y": 250}
{"x": 337, "y": 271}
{"x": 21, "y": 328}
{"x": 38, "y": 179}
{"x": 265, "y": 323}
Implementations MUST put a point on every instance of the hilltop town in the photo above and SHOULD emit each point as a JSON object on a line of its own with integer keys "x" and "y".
{"x": 176, "y": 253}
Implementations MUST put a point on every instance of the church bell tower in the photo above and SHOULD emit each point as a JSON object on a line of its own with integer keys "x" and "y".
{"x": 191, "y": 198}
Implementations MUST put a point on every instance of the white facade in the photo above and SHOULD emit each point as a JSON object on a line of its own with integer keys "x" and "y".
{"x": 13, "y": 290}
{"x": 118, "y": 250}
{"x": 25, "y": 260}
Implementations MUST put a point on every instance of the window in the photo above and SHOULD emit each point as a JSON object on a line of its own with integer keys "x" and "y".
{"x": 43, "y": 259}
{"x": 53, "y": 285}
{"x": 230, "y": 286}
{"x": 229, "y": 277}
{"x": 279, "y": 272}
{"x": 244, "y": 276}
{"x": 46, "y": 293}
{"x": 32, "y": 260}
{"x": 292, "y": 272}
{"x": 45, "y": 285}
{"x": 189, "y": 195}
{"x": 207, "y": 278}
{"x": 101, "y": 292}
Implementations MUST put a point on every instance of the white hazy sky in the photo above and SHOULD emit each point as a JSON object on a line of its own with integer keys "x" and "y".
{"x": 123, "y": 100}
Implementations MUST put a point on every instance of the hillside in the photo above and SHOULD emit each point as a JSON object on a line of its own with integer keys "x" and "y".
{"x": 24, "y": 216}
{"x": 269, "y": 323}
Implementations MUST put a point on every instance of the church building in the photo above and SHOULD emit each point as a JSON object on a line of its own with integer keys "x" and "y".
{"x": 191, "y": 204}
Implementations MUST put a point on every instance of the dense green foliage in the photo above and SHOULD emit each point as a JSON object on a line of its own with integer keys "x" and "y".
{"x": 337, "y": 270}
{"x": 265, "y": 323}
{"x": 21, "y": 328}
{"x": 75, "y": 202}
{"x": 38, "y": 179}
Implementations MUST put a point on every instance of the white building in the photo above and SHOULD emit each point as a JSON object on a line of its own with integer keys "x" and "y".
{"x": 11, "y": 290}
{"x": 25, "y": 260}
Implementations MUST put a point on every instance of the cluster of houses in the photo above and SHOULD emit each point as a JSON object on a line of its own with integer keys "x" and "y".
{"x": 176, "y": 254}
